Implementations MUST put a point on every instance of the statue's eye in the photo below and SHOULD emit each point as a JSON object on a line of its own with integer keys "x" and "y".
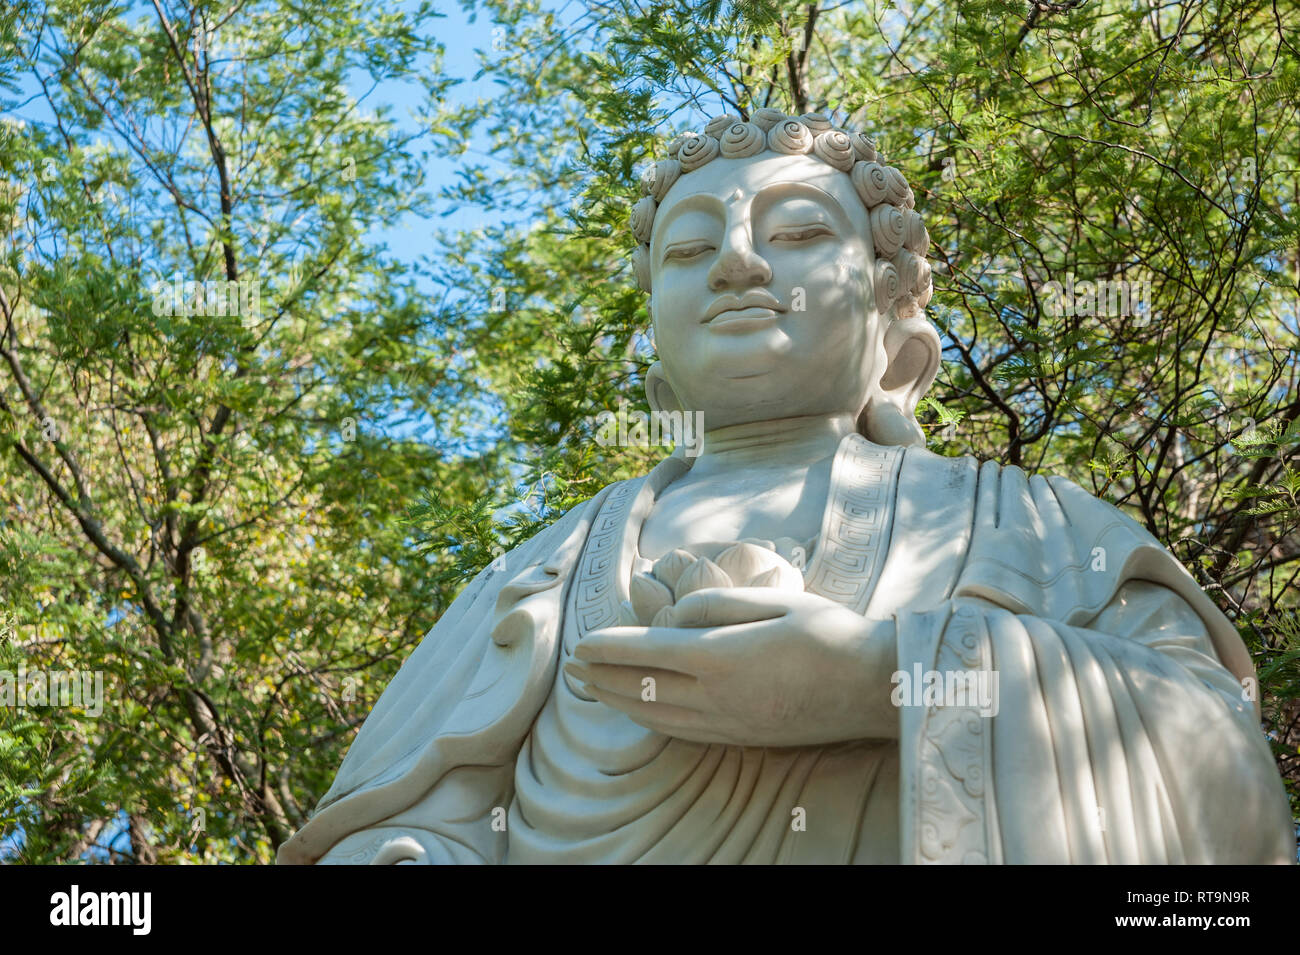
{"x": 800, "y": 233}
{"x": 687, "y": 251}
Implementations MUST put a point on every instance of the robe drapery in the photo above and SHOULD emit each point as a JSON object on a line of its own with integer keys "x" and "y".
{"x": 1125, "y": 729}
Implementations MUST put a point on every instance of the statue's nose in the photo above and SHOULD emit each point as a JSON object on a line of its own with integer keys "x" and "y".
{"x": 738, "y": 265}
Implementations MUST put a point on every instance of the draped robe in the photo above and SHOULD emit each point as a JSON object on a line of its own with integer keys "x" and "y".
{"x": 1125, "y": 730}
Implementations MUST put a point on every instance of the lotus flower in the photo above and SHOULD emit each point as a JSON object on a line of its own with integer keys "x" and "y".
{"x": 679, "y": 572}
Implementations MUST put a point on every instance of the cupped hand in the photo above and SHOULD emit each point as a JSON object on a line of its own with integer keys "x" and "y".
{"x": 751, "y": 666}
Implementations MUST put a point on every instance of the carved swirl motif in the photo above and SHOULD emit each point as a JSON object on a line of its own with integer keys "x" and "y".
{"x": 643, "y": 217}
{"x": 659, "y": 178}
{"x": 791, "y": 137}
{"x": 909, "y": 269}
{"x": 741, "y": 140}
{"x": 888, "y": 284}
{"x": 835, "y": 148}
{"x": 887, "y": 225}
{"x": 720, "y": 124}
{"x": 675, "y": 147}
{"x": 956, "y": 818}
{"x": 918, "y": 238}
{"x": 696, "y": 151}
{"x": 766, "y": 118}
{"x": 897, "y": 190}
{"x": 870, "y": 181}
{"x": 864, "y": 149}
{"x": 816, "y": 122}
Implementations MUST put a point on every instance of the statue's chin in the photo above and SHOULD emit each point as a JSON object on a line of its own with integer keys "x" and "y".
{"x": 752, "y": 355}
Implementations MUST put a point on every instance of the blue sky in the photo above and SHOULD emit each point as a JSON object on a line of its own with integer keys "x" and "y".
{"x": 462, "y": 41}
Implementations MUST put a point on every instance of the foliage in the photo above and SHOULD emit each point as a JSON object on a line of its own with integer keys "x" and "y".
{"x": 202, "y": 507}
{"x": 228, "y": 519}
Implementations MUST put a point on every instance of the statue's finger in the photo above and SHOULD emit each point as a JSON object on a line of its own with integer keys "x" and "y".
{"x": 648, "y": 684}
{"x": 726, "y": 607}
{"x": 666, "y": 648}
{"x": 663, "y": 718}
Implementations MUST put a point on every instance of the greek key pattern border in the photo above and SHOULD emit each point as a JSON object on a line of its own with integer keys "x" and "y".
{"x": 854, "y": 536}
{"x": 596, "y": 599}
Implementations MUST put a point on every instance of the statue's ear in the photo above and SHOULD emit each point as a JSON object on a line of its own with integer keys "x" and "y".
{"x": 658, "y": 392}
{"x": 912, "y": 354}
{"x": 641, "y": 266}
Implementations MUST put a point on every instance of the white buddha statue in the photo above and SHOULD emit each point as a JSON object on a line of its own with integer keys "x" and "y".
{"x": 782, "y": 649}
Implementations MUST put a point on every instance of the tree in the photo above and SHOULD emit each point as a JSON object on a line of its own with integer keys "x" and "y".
{"x": 202, "y": 360}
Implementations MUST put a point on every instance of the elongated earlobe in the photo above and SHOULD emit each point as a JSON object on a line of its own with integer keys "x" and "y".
{"x": 883, "y": 423}
{"x": 912, "y": 353}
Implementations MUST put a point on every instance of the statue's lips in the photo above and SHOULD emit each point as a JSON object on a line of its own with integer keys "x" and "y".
{"x": 743, "y": 319}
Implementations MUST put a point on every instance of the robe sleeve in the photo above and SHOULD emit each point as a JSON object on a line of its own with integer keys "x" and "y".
{"x": 1121, "y": 739}
{"x": 435, "y": 758}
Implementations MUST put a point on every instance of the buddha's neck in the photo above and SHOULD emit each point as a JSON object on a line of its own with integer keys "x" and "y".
{"x": 781, "y": 442}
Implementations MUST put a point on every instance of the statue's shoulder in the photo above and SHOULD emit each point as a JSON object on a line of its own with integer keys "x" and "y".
{"x": 1036, "y": 543}
{"x": 555, "y": 547}
{"x": 1017, "y": 492}
{"x": 1043, "y": 544}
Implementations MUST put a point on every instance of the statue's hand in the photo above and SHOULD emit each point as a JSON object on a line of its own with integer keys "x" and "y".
{"x": 752, "y": 666}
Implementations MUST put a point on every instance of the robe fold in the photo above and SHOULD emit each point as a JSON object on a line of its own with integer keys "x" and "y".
{"x": 1124, "y": 728}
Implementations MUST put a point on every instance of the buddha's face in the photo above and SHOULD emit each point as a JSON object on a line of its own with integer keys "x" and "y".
{"x": 761, "y": 296}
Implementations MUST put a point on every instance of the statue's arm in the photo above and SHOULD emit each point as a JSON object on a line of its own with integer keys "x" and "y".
{"x": 1202, "y": 723}
{"x": 1120, "y": 740}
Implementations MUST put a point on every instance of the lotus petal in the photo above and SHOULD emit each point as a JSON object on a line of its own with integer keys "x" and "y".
{"x": 669, "y": 568}
{"x": 783, "y": 577}
{"x": 627, "y": 615}
{"x": 664, "y": 618}
{"x": 649, "y": 596}
{"x": 701, "y": 575}
{"x": 745, "y": 561}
